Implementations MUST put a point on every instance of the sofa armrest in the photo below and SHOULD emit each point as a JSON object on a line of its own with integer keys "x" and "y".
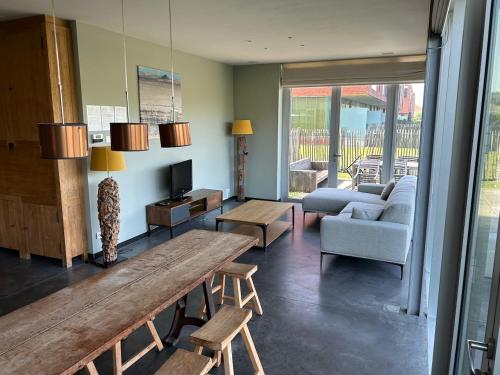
{"x": 371, "y": 188}
{"x": 380, "y": 240}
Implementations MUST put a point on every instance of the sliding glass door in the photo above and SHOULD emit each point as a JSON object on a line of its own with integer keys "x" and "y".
{"x": 361, "y": 138}
{"x": 407, "y": 132}
{"x": 341, "y": 136}
{"x": 309, "y": 140}
{"x": 480, "y": 317}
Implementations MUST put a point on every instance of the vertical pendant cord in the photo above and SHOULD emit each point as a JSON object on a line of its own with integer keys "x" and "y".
{"x": 171, "y": 59}
{"x": 124, "y": 45}
{"x": 59, "y": 84}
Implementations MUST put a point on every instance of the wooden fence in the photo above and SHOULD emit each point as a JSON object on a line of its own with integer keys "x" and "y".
{"x": 315, "y": 145}
{"x": 491, "y": 169}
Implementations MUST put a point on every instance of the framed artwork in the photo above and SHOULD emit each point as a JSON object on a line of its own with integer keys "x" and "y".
{"x": 155, "y": 97}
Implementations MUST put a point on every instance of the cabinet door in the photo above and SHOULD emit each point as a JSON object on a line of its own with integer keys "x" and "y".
{"x": 43, "y": 230}
{"x": 24, "y": 82}
{"x": 214, "y": 200}
{"x": 11, "y": 222}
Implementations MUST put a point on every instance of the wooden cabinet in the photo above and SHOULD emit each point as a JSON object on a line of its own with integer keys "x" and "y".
{"x": 42, "y": 225}
{"x": 11, "y": 222}
{"x": 170, "y": 213}
{"x": 42, "y": 202}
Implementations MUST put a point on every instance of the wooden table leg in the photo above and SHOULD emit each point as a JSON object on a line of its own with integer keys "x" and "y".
{"x": 117, "y": 358}
{"x": 264, "y": 236}
{"x": 209, "y": 297}
{"x": 181, "y": 319}
{"x": 91, "y": 369}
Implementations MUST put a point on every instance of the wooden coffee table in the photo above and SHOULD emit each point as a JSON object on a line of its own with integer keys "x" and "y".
{"x": 259, "y": 219}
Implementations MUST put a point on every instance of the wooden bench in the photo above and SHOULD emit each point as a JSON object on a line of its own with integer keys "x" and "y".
{"x": 305, "y": 175}
{"x": 218, "y": 333}
{"x": 183, "y": 362}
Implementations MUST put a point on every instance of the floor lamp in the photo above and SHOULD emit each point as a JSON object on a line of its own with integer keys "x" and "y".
{"x": 241, "y": 128}
{"x": 103, "y": 159}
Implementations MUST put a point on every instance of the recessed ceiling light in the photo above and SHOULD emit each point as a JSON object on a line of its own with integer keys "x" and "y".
{"x": 290, "y": 37}
{"x": 266, "y": 48}
{"x": 302, "y": 45}
{"x": 249, "y": 41}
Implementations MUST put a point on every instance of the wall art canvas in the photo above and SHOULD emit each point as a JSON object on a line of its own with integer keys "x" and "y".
{"x": 155, "y": 97}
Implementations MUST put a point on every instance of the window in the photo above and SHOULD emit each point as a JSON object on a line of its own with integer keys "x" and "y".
{"x": 354, "y": 136}
{"x": 407, "y": 132}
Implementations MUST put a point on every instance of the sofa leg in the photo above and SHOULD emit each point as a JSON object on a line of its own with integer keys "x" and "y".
{"x": 402, "y": 271}
{"x": 321, "y": 262}
{"x": 304, "y": 218}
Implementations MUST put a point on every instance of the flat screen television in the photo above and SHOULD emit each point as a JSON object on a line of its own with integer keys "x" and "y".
{"x": 181, "y": 179}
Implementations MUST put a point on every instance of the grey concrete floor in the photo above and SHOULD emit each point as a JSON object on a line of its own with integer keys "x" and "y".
{"x": 344, "y": 319}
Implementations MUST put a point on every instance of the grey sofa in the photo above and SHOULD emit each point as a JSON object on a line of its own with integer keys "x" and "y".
{"x": 387, "y": 239}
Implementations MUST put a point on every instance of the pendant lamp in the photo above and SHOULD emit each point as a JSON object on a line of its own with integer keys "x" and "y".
{"x": 128, "y": 136}
{"x": 62, "y": 140}
{"x": 173, "y": 133}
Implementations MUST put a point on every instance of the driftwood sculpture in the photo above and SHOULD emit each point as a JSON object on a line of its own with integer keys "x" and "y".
{"x": 242, "y": 153}
{"x": 108, "y": 203}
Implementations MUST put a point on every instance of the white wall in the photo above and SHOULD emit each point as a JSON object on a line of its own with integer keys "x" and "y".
{"x": 207, "y": 100}
{"x": 257, "y": 96}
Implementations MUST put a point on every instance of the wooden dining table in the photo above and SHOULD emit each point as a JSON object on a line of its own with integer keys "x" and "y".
{"x": 65, "y": 331}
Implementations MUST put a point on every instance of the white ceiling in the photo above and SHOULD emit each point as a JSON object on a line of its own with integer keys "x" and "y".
{"x": 256, "y": 31}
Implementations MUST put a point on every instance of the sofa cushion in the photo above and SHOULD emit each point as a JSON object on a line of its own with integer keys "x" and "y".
{"x": 400, "y": 205}
{"x": 388, "y": 189}
{"x": 334, "y": 200}
{"x": 364, "y": 213}
{"x": 360, "y": 205}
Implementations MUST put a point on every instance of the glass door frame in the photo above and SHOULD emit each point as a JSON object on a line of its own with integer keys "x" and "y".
{"x": 460, "y": 344}
{"x": 333, "y": 158}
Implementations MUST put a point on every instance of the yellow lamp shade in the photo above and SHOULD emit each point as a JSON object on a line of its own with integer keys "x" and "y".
{"x": 242, "y": 127}
{"x": 103, "y": 159}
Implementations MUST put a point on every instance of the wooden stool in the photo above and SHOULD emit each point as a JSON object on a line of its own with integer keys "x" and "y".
{"x": 218, "y": 333}
{"x": 238, "y": 272}
{"x": 183, "y": 362}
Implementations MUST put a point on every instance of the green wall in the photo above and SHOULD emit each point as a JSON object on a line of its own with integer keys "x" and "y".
{"x": 257, "y": 96}
{"x": 207, "y": 100}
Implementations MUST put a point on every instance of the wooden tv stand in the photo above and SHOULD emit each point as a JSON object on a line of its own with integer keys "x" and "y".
{"x": 170, "y": 213}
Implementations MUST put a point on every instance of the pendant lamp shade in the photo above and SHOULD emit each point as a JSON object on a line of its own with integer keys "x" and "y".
{"x": 126, "y": 136}
{"x": 103, "y": 159}
{"x": 175, "y": 134}
{"x": 63, "y": 141}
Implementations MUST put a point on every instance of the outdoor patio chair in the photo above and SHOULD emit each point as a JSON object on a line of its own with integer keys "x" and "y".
{"x": 400, "y": 169}
{"x": 368, "y": 171}
{"x": 409, "y": 160}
